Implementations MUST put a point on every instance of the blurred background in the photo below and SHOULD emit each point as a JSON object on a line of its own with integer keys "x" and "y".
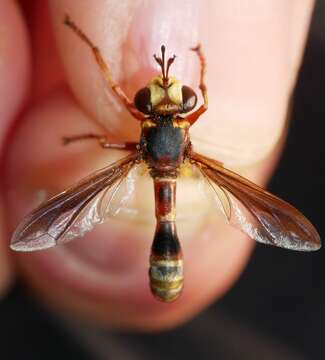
{"x": 277, "y": 308}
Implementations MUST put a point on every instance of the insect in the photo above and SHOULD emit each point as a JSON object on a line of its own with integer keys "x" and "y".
{"x": 161, "y": 108}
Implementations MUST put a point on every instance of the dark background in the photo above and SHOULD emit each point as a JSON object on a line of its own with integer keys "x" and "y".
{"x": 277, "y": 308}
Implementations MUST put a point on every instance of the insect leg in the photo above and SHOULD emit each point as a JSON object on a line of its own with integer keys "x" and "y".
{"x": 102, "y": 141}
{"x": 105, "y": 70}
{"x": 196, "y": 114}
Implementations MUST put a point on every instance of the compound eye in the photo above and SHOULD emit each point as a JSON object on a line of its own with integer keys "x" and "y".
{"x": 189, "y": 99}
{"x": 142, "y": 100}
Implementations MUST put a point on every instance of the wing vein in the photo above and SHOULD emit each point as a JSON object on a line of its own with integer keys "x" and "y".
{"x": 52, "y": 221}
{"x": 268, "y": 219}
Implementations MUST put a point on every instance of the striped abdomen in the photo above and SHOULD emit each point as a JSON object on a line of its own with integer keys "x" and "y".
{"x": 166, "y": 263}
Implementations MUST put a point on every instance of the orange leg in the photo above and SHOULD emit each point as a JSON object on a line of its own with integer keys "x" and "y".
{"x": 194, "y": 116}
{"x": 102, "y": 141}
{"x": 105, "y": 71}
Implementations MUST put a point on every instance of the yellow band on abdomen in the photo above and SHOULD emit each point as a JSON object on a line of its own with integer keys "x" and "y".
{"x": 166, "y": 278}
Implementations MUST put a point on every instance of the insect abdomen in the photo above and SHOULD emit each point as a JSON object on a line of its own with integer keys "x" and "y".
{"x": 166, "y": 262}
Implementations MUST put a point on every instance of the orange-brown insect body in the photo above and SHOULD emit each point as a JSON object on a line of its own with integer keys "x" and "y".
{"x": 164, "y": 145}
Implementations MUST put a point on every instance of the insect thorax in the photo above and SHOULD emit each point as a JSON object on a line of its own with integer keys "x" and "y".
{"x": 163, "y": 143}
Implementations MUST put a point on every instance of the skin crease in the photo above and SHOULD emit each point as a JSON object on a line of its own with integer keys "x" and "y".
{"x": 103, "y": 277}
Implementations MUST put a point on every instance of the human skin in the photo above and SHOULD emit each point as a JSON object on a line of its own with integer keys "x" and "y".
{"x": 253, "y": 52}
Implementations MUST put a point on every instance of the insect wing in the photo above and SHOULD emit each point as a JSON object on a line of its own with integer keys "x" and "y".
{"x": 71, "y": 213}
{"x": 121, "y": 200}
{"x": 261, "y": 215}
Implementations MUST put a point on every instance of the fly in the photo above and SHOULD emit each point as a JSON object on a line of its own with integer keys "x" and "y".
{"x": 164, "y": 145}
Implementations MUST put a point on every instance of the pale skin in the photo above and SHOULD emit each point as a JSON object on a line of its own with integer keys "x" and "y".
{"x": 248, "y": 97}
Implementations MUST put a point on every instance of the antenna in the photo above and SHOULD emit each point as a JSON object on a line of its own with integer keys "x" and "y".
{"x": 162, "y": 64}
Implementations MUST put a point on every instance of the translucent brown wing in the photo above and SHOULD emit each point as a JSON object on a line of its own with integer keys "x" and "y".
{"x": 261, "y": 215}
{"x": 71, "y": 213}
